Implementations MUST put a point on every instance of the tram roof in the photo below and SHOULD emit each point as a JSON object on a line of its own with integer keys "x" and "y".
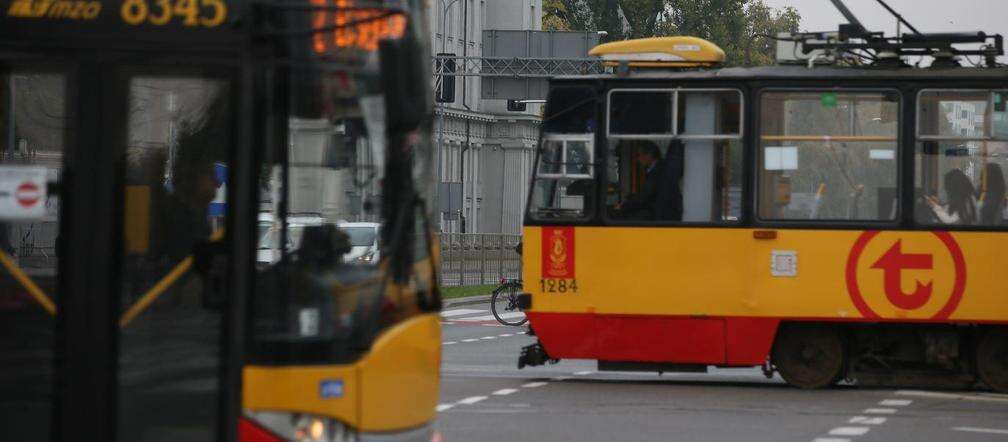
{"x": 801, "y": 73}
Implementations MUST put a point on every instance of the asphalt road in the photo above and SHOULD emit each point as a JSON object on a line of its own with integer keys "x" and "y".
{"x": 484, "y": 397}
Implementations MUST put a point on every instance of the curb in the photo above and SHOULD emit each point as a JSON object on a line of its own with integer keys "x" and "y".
{"x": 478, "y": 299}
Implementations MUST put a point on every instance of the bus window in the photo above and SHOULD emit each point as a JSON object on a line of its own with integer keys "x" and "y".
{"x": 36, "y": 124}
{"x": 179, "y": 137}
{"x": 828, "y": 155}
{"x": 564, "y": 174}
{"x": 686, "y": 169}
{"x": 961, "y": 155}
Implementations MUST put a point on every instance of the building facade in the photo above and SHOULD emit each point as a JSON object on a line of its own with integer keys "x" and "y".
{"x": 481, "y": 145}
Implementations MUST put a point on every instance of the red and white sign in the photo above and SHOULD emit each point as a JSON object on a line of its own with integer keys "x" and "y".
{"x": 22, "y": 192}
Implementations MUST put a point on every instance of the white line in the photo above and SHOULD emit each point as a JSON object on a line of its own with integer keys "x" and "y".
{"x": 491, "y": 317}
{"x": 981, "y": 430}
{"x": 864, "y": 420}
{"x": 583, "y": 373}
{"x": 471, "y": 400}
{"x": 849, "y": 431}
{"x": 505, "y": 335}
{"x": 504, "y": 392}
{"x": 449, "y": 343}
{"x": 470, "y": 340}
{"x": 459, "y": 312}
{"x": 830, "y": 439}
{"x": 960, "y": 397}
{"x": 534, "y": 384}
{"x": 443, "y": 407}
{"x": 895, "y": 402}
{"x": 491, "y": 325}
{"x": 879, "y": 411}
{"x": 487, "y": 338}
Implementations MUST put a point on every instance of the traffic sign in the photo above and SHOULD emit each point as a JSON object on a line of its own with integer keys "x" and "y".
{"x": 22, "y": 192}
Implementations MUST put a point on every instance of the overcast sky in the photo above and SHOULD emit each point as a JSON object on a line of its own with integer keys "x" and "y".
{"x": 990, "y": 16}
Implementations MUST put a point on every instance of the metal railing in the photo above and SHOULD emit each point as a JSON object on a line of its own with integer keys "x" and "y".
{"x": 479, "y": 258}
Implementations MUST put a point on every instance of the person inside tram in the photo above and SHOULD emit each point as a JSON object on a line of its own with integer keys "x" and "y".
{"x": 992, "y": 196}
{"x": 643, "y": 204}
{"x": 961, "y": 207}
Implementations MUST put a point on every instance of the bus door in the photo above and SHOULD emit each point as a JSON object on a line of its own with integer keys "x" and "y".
{"x": 113, "y": 195}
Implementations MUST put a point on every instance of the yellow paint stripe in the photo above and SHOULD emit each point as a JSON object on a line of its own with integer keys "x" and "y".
{"x": 36, "y": 293}
{"x": 148, "y": 298}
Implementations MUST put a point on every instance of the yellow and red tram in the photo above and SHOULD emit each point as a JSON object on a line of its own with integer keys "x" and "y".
{"x": 825, "y": 222}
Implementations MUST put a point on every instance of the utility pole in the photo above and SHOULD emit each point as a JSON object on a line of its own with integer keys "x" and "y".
{"x": 441, "y": 117}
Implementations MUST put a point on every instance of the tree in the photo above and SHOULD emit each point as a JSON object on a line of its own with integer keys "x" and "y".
{"x": 733, "y": 25}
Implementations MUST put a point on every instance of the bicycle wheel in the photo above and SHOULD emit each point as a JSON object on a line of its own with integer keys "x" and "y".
{"x": 504, "y": 305}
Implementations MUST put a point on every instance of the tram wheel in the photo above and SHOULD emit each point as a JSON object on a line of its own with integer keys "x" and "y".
{"x": 992, "y": 359}
{"x": 808, "y": 355}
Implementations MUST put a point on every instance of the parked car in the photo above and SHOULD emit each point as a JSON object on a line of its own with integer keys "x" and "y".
{"x": 363, "y": 241}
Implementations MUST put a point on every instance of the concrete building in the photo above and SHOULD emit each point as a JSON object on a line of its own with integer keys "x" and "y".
{"x": 483, "y": 146}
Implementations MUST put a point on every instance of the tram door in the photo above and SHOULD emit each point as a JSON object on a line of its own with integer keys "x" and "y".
{"x": 113, "y": 294}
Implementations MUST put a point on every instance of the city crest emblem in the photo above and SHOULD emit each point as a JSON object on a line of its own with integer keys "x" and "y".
{"x": 558, "y": 252}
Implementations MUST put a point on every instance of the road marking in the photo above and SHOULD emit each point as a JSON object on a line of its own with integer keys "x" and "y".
{"x": 491, "y": 325}
{"x": 505, "y": 335}
{"x": 895, "y": 402}
{"x": 443, "y": 407}
{"x": 848, "y": 431}
{"x": 879, "y": 411}
{"x": 981, "y": 430}
{"x": 864, "y": 420}
{"x": 583, "y": 373}
{"x": 459, "y": 312}
{"x": 504, "y": 392}
{"x": 960, "y": 397}
{"x": 449, "y": 343}
{"x": 830, "y": 439}
{"x": 471, "y": 400}
{"x": 487, "y": 338}
{"x": 534, "y": 384}
{"x": 492, "y": 317}
{"x": 470, "y": 340}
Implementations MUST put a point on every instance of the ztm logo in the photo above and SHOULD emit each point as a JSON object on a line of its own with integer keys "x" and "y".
{"x": 935, "y": 269}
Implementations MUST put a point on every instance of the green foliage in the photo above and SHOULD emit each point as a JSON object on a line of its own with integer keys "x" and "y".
{"x": 734, "y": 25}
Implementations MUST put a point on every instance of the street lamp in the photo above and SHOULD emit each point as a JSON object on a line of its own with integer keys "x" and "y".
{"x": 444, "y": 47}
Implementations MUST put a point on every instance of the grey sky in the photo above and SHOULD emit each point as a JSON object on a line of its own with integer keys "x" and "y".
{"x": 990, "y": 16}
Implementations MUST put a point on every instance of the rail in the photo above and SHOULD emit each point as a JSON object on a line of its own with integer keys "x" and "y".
{"x": 479, "y": 258}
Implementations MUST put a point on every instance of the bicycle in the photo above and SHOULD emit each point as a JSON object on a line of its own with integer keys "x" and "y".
{"x": 504, "y": 303}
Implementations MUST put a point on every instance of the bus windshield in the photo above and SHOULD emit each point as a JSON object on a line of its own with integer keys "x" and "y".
{"x": 316, "y": 302}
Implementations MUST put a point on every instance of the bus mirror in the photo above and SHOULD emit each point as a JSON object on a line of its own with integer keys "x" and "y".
{"x": 406, "y": 84}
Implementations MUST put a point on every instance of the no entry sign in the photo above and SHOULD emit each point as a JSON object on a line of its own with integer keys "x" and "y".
{"x": 22, "y": 192}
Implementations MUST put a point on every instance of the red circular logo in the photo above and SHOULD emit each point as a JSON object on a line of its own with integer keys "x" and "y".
{"x": 27, "y": 194}
{"x": 892, "y": 263}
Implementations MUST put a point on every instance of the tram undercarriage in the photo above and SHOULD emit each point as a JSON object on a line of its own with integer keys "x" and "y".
{"x": 817, "y": 355}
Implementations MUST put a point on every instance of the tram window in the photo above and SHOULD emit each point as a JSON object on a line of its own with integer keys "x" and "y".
{"x": 726, "y": 106}
{"x": 641, "y": 112}
{"x": 961, "y": 157}
{"x": 692, "y": 174}
{"x": 570, "y": 110}
{"x": 828, "y": 155}
{"x": 564, "y": 182}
